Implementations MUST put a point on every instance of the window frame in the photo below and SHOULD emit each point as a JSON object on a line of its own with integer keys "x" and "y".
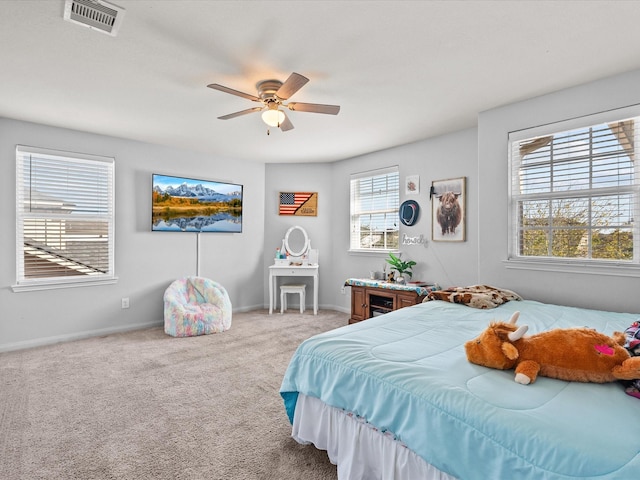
{"x": 74, "y": 159}
{"x": 355, "y": 213}
{"x": 572, "y": 264}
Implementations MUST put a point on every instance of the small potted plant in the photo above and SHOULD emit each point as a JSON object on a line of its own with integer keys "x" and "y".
{"x": 403, "y": 268}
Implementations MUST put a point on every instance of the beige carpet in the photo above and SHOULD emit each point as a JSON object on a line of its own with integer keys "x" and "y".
{"x": 143, "y": 405}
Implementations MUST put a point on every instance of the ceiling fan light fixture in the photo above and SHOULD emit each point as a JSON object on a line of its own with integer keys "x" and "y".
{"x": 273, "y": 117}
{"x": 271, "y": 94}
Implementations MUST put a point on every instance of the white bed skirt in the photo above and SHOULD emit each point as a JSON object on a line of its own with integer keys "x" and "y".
{"x": 360, "y": 451}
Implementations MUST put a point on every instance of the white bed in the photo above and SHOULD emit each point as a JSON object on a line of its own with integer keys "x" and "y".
{"x": 394, "y": 397}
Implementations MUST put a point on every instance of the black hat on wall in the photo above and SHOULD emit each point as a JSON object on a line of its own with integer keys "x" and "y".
{"x": 409, "y": 212}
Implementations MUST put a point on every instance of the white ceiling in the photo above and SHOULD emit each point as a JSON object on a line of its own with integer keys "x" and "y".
{"x": 401, "y": 71}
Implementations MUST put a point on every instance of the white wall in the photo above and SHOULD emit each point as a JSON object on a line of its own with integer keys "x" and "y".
{"x": 606, "y": 292}
{"x": 146, "y": 262}
{"x": 481, "y": 156}
{"x": 315, "y": 177}
{"x": 444, "y": 157}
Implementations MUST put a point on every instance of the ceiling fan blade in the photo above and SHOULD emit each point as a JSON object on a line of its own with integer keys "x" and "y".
{"x": 314, "y": 108}
{"x": 240, "y": 113}
{"x": 291, "y": 85}
{"x": 224, "y": 89}
{"x": 286, "y": 124}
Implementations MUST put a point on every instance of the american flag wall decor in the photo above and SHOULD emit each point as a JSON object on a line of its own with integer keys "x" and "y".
{"x": 298, "y": 203}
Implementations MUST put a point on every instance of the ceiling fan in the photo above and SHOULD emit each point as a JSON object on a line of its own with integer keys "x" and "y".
{"x": 272, "y": 95}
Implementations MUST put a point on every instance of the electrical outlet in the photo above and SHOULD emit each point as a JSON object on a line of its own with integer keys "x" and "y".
{"x": 125, "y": 302}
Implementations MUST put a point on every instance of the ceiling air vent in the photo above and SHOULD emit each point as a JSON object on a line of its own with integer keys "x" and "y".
{"x": 98, "y": 15}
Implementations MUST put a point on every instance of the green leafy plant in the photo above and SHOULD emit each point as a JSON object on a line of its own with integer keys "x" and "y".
{"x": 400, "y": 266}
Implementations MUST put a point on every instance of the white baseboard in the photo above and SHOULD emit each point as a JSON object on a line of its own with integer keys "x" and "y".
{"x": 320, "y": 307}
{"x": 338, "y": 309}
{"x": 39, "y": 342}
{"x": 249, "y": 308}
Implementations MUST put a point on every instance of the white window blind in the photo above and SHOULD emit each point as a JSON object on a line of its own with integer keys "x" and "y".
{"x": 65, "y": 217}
{"x": 575, "y": 194}
{"x": 375, "y": 199}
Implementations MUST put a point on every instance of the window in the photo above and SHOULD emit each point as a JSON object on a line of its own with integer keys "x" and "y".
{"x": 65, "y": 219}
{"x": 574, "y": 193}
{"x": 375, "y": 198}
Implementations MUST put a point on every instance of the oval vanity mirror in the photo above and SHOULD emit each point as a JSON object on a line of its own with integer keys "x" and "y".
{"x": 296, "y": 241}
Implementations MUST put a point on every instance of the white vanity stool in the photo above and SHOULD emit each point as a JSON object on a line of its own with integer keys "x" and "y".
{"x": 284, "y": 289}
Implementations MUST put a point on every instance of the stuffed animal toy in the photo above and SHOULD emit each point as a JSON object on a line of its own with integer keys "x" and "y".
{"x": 574, "y": 354}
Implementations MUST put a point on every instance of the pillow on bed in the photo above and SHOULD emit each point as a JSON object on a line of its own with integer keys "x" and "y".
{"x": 476, "y": 296}
{"x": 632, "y": 344}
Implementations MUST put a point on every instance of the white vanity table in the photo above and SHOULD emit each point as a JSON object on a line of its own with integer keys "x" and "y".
{"x": 297, "y": 246}
{"x": 276, "y": 271}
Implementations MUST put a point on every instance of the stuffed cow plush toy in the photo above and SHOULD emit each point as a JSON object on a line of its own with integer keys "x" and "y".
{"x": 574, "y": 354}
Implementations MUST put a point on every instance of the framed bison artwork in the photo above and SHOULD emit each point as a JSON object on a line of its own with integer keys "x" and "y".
{"x": 448, "y": 201}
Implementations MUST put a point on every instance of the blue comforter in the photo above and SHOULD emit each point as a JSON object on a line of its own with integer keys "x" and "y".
{"x": 407, "y": 372}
